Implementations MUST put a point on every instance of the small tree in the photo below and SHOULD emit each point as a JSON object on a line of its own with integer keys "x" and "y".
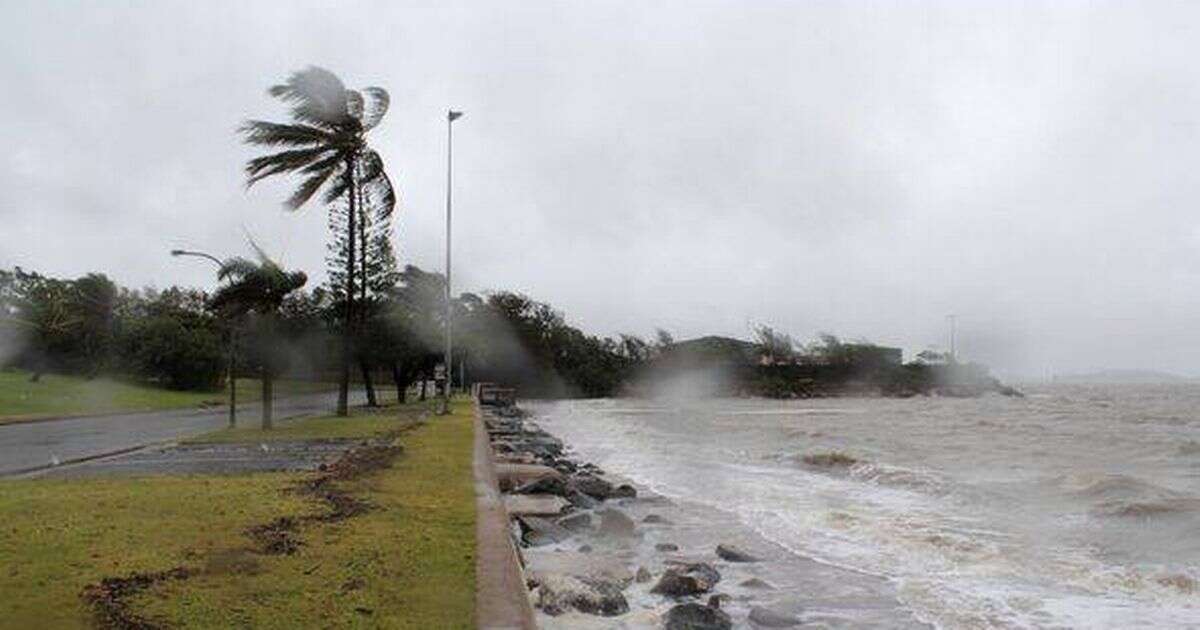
{"x": 258, "y": 288}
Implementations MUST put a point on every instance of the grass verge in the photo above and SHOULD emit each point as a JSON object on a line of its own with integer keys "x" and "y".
{"x": 56, "y": 396}
{"x": 407, "y": 561}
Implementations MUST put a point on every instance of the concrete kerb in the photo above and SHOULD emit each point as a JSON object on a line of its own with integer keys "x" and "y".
{"x": 501, "y": 599}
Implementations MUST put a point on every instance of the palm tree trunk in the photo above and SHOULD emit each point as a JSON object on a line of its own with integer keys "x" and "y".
{"x": 268, "y": 402}
{"x": 364, "y": 310}
{"x": 370, "y": 386}
{"x": 401, "y": 386}
{"x": 343, "y": 406}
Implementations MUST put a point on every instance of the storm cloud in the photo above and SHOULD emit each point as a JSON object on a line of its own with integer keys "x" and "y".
{"x": 861, "y": 168}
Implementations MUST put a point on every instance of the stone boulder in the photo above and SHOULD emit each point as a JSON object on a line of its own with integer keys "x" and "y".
{"x": 581, "y": 500}
{"x": 558, "y": 594}
{"x": 729, "y": 553}
{"x": 624, "y": 491}
{"x": 577, "y": 522}
{"x": 666, "y": 547}
{"x": 554, "y": 485}
{"x": 687, "y": 580}
{"x": 767, "y": 618}
{"x": 615, "y": 524}
{"x": 592, "y": 486}
{"x": 697, "y": 617}
{"x": 537, "y": 531}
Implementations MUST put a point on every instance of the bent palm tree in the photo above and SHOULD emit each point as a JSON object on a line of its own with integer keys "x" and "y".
{"x": 325, "y": 144}
{"x": 260, "y": 288}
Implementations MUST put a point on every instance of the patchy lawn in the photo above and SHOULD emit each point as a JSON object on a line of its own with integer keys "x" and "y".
{"x": 55, "y": 395}
{"x": 407, "y": 561}
{"x": 364, "y": 423}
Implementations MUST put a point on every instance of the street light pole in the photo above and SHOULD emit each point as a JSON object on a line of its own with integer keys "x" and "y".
{"x": 451, "y": 116}
{"x": 953, "y": 319}
{"x": 232, "y": 338}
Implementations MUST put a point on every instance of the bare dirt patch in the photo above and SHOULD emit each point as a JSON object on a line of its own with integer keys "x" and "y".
{"x": 110, "y": 597}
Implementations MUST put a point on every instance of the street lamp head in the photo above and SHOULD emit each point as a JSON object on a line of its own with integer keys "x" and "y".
{"x": 177, "y": 252}
{"x": 453, "y": 115}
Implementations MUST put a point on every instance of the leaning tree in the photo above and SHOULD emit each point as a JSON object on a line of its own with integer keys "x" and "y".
{"x": 325, "y": 144}
{"x": 259, "y": 288}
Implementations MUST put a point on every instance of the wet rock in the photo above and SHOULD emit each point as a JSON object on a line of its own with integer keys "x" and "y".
{"x": 666, "y": 547}
{"x": 714, "y": 601}
{"x": 582, "y": 501}
{"x": 577, "y": 522}
{"x": 624, "y": 491}
{"x": 592, "y": 486}
{"x": 565, "y": 466}
{"x": 615, "y": 524}
{"x": 585, "y": 549}
{"x": 556, "y": 486}
{"x": 767, "y": 618}
{"x": 757, "y": 584}
{"x": 692, "y": 579}
{"x": 643, "y": 575}
{"x": 655, "y": 519}
{"x": 536, "y": 531}
{"x": 697, "y": 617}
{"x": 534, "y": 505}
{"x": 558, "y": 594}
{"x": 729, "y": 553}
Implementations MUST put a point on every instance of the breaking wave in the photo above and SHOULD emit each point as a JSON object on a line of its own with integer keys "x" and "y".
{"x": 1124, "y": 496}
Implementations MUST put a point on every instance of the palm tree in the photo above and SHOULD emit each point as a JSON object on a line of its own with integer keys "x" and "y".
{"x": 260, "y": 288}
{"x": 325, "y": 144}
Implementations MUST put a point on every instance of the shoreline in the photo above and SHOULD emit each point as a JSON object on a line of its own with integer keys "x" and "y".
{"x": 596, "y": 550}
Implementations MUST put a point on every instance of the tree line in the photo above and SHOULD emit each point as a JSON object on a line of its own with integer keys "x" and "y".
{"x": 179, "y": 337}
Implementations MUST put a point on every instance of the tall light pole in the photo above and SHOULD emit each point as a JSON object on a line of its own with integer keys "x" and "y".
{"x": 451, "y": 116}
{"x": 232, "y": 338}
{"x": 953, "y": 320}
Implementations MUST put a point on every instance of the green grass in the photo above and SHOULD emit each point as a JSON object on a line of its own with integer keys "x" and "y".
{"x": 407, "y": 563}
{"x": 364, "y": 423}
{"x": 59, "y": 536}
{"x": 56, "y": 396}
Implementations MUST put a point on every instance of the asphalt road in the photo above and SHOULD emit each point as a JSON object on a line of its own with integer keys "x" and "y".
{"x": 36, "y": 444}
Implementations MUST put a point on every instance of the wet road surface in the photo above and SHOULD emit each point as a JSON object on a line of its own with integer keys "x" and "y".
{"x": 32, "y": 445}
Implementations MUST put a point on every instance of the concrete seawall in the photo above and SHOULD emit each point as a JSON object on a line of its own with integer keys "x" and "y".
{"x": 501, "y": 599}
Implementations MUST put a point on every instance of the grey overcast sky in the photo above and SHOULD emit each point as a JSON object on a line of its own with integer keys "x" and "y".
{"x": 862, "y": 168}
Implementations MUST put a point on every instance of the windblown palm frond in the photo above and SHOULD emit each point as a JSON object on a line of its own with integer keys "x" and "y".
{"x": 318, "y": 97}
{"x": 324, "y": 140}
{"x": 236, "y": 268}
{"x": 375, "y": 107}
{"x": 259, "y": 287}
{"x": 264, "y": 133}
{"x": 282, "y": 162}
